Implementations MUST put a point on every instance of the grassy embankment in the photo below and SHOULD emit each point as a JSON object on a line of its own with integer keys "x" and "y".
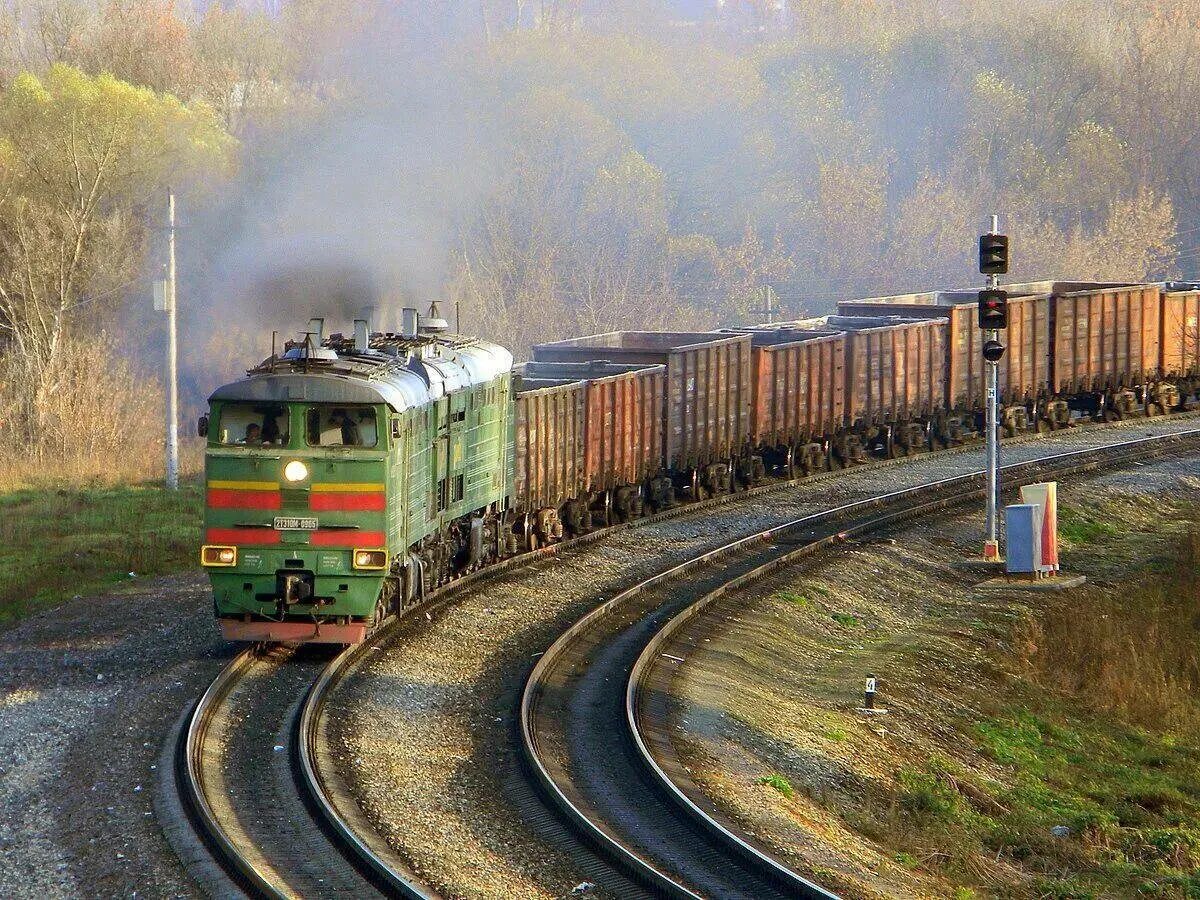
{"x": 1036, "y": 745}
{"x": 59, "y": 542}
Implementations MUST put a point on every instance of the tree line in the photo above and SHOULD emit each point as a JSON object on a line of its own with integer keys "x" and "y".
{"x": 552, "y": 168}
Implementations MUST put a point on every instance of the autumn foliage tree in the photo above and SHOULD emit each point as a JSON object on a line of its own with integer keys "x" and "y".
{"x": 81, "y": 160}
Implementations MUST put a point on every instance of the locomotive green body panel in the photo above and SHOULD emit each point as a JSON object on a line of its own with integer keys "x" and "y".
{"x": 316, "y": 511}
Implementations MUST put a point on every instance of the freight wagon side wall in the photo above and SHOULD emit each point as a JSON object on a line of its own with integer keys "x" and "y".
{"x": 549, "y": 446}
{"x": 896, "y": 371}
{"x": 799, "y": 390}
{"x": 1106, "y": 338}
{"x": 1024, "y": 372}
{"x": 624, "y": 430}
{"x": 708, "y": 403}
{"x": 1181, "y": 333}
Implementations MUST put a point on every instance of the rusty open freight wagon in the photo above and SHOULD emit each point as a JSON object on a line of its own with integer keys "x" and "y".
{"x": 589, "y": 437}
{"x": 708, "y": 395}
{"x": 1024, "y": 373}
{"x": 895, "y": 380}
{"x": 798, "y": 395}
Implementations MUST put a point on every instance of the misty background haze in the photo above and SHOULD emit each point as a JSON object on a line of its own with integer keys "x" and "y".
{"x": 560, "y": 168}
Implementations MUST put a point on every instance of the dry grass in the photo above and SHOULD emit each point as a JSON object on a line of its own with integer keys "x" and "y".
{"x": 1135, "y": 652}
{"x": 90, "y": 419}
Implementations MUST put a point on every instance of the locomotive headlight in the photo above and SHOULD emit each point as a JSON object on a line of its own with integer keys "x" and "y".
{"x": 370, "y": 559}
{"x": 218, "y": 556}
{"x": 295, "y": 471}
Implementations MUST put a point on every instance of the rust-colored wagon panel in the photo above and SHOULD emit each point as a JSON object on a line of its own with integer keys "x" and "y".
{"x": 550, "y": 463}
{"x": 1024, "y": 369}
{"x": 799, "y": 384}
{"x": 621, "y": 424}
{"x": 1180, "y": 333}
{"x": 1106, "y": 337}
{"x": 708, "y": 385}
{"x": 895, "y": 367}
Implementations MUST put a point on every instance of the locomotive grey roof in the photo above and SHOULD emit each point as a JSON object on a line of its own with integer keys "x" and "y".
{"x": 402, "y": 372}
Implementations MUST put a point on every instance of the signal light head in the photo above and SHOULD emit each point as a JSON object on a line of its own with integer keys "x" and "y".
{"x": 993, "y": 254}
{"x": 992, "y": 351}
{"x": 993, "y": 310}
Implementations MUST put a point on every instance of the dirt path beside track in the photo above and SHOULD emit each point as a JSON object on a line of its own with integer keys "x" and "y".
{"x": 88, "y": 692}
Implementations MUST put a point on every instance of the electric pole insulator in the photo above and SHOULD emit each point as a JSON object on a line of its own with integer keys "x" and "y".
{"x": 993, "y": 254}
{"x": 993, "y": 309}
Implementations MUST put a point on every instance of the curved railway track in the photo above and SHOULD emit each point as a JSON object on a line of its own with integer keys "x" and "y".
{"x": 246, "y": 769}
{"x": 590, "y": 721}
{"x": 250, "y": 773}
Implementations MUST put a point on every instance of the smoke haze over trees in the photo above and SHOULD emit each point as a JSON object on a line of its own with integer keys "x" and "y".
{"x": 558, "y": 168}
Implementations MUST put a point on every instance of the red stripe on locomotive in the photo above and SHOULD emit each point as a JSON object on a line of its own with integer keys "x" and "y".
{"x": 349, "y": 538}
{"x": 223, "y": 498}
{"x": 239, "y": 537}
{"x": 335, "y": 502}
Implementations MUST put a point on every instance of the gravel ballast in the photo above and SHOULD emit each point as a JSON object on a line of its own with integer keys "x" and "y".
{"x": 424, "y": 727}
{"x": 768, "y": 683}
{"x": 87, "y": 693}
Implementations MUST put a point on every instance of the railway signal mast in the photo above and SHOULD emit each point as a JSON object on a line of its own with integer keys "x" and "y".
{"x": 993, "y": 318}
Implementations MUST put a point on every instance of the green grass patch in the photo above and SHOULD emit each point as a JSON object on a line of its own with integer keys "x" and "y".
{"x": 779, "y": 783}
{"x": 846, "y": 620}
{"x": 1078, "y": 528}
{"x": 1128, "y": 797}
{"x": 56, "y": 543}
{"x": 794, "y": 598}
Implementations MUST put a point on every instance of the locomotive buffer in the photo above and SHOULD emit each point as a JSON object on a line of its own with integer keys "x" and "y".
{"x": 993, "y": 318}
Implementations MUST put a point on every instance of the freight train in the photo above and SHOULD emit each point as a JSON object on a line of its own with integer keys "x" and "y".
{"x": 350, "y": 475}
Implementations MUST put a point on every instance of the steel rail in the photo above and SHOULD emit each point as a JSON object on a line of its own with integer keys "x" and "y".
{"x": 188, "y": 755}
{"x": 941, "y": 494}
{"x": 190, "y": 782}
{"x": 320, "y": 798}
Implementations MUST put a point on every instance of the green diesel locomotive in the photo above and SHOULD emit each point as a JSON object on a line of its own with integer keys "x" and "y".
{"x": 349, "y": 475}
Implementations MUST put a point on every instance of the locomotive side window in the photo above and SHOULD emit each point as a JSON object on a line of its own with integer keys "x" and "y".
{"x": 253, "y": 425}
{"x": 341, "y": 426}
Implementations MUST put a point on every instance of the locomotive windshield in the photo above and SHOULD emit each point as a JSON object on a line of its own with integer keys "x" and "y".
{"x": 253, "y": 424}
{"x": 341, "y": 426}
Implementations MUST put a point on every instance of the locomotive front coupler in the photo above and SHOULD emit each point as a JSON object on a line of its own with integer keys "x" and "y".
{"x": 294, "y": 587}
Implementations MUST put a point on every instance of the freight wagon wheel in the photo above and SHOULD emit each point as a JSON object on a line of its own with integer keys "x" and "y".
{"x": 1044, "y": 427}
{"x": 1154, "y": 409}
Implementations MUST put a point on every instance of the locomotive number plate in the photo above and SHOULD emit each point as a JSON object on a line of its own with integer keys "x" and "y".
{"x": 292, "y": 523}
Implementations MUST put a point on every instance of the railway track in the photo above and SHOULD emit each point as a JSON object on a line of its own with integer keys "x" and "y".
{"x": 261, "y": 793}
{"x": 246, "y": 770}
{"x": 590, "y": 722}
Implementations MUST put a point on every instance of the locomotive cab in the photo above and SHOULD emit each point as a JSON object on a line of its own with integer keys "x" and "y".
{"x": 296, "y": 518}
{"x": 348, "y": 476}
